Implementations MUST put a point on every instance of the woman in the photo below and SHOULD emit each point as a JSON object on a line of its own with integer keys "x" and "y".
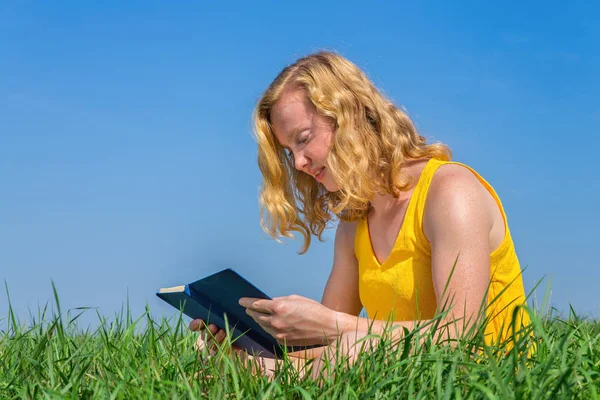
{"x": 416, "y": 230}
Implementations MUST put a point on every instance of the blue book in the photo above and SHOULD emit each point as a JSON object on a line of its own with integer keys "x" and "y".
{"x": 215, "y": 298}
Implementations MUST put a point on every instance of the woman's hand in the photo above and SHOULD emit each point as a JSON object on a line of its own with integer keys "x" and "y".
{"x": 210, "y": 337}
{"x": 294, "y": 320}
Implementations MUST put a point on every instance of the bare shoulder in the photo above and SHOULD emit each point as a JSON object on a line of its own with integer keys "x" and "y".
{"x": 345, "y": 233}
{"x": 456, "y": 196}
{"x": 454, "y": 180}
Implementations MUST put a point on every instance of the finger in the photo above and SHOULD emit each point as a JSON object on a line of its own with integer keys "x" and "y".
{"x": 262, "y": 319}
{"x": 220, "y": 336}
{"x": 212, "y": 328}
{"x": 260, "y": 305}
{"x": 200, "y": 343}
{"x": 241, "y": 354}
{"x": 214, "y": 344}
{"x": 206, "y": 336}
{"x": 197, "y": 324}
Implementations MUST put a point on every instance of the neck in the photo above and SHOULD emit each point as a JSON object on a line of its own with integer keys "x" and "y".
{"x": 382, "y": 203}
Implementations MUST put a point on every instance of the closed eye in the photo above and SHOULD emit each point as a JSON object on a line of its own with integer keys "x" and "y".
{"x": 303, "y": 139}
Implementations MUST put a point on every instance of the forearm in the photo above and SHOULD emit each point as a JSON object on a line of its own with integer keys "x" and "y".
{"x": 267, "y": 366}
{"x": 448, "y": 328}
{"x": 307, "y": 354}
{"x": 350, "y": 323}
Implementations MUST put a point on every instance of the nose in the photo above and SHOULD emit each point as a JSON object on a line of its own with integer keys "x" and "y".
{"x": 300, "y": 161}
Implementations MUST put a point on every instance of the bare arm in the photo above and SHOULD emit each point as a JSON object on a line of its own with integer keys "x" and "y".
{"x": 341, "y": 291}
{"x": 457, "y": 223}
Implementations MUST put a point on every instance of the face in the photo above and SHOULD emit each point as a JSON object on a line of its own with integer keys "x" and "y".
{"x": 306, "y": 134}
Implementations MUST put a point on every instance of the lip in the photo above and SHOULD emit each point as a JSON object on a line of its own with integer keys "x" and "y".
{"x": 319, "y": 176}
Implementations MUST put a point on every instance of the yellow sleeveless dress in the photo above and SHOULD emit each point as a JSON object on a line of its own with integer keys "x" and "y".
{"x": 402, "y": 287}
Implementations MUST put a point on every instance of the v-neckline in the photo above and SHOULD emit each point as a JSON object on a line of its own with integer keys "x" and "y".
{"x": 400, "y": 230}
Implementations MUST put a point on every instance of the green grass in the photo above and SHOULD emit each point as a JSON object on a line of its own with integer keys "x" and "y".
{"x": 127, "y": 358}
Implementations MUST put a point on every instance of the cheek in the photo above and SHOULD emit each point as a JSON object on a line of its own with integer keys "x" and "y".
{"x": 324, "y": 148}
{"x": 317, "y": 151}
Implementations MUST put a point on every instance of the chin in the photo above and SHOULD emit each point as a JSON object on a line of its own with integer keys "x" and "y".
{"x": 331, "y": 187}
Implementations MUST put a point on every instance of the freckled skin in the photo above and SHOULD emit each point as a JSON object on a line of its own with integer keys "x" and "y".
{"x": 308, "y": 134}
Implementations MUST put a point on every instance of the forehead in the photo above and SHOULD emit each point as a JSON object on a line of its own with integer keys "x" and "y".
{"x": 291, "y": 112}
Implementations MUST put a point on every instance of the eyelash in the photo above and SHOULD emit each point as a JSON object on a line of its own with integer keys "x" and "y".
{"x": 302, "y": 141}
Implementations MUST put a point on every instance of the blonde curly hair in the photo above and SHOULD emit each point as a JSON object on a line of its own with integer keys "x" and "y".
{"x": 372, "y": 138}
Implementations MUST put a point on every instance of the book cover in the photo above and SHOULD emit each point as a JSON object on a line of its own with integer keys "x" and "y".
{"x": 215, "y": 298}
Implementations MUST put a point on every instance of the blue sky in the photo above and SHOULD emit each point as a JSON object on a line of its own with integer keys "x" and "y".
{"x": 127, "y": 161}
